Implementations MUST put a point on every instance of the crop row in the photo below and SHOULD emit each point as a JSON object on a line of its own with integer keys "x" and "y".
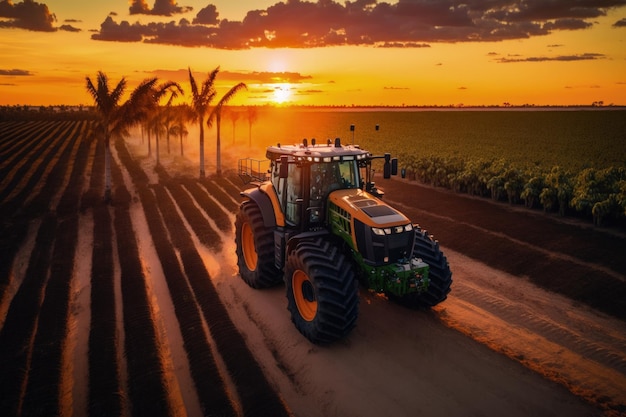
{"x": 33, "y": 334}
{"x": 53, "y": 187}
{"x": 193, "y": 282}
{"x": 599, "y": 194}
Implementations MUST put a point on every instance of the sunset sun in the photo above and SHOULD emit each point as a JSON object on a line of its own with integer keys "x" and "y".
{"x": 282, "y": 93}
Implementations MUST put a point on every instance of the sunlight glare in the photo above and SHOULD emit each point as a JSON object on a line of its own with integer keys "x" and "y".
{"x": 282, "y": 93}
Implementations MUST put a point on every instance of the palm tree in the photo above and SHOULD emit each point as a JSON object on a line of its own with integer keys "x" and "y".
{"x": 169, "y": 118}
{"x": 216, "y": 114}
{"x": 233, "y": 116}
{"x": 182, "y": 114}
{"x": 252, "y": 115}
{"x": 200, "y": 100}
{"x": 162, "y": 117}
{"x": 116, "y": 118}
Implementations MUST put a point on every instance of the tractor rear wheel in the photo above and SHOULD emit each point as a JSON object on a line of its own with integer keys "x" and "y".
{"x": 255, "y": 248}
{"x": 322, "y": 292}
{"x": 439, "y": 273}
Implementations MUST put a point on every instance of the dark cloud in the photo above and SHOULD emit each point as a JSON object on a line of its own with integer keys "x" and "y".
{"x": 124, "y": 32}
{"x": 404, "y": 45}
{"x": 15, "y": 72}
{"x": 69, "y": 28}
{"x": 207, "y": 16}
{"x": 565, "y": 58}
{"x": 28, "y": 15}
{"x": 620, "y": 23}
{"x": 161, "y": 8}
{"x": 567, "y": 24}
{"x": 407, "y": 23}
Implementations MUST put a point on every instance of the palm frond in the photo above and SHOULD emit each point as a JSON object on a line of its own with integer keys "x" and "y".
{"x": 216, "y": 112}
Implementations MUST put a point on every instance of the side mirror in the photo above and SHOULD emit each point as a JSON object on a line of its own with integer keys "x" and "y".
{"x": 387, "y": 167}
{"x": 284, "y": 167}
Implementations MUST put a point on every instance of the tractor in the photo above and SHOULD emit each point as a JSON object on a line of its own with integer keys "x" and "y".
{"x": 315, "y": 220}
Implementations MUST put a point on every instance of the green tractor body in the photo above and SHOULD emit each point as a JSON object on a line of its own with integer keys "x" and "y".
{"x": 316, "y": 221}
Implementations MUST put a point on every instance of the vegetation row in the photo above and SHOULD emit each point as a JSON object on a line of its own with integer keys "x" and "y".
{"x": 598, "y": 194}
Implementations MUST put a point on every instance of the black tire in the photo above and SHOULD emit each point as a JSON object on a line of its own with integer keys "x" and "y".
{"x": 255, "y": 248}
{"x": 439, "y": 273}
{"x": 322, "y": 291}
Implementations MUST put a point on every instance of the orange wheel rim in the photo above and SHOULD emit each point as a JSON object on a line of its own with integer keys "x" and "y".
{"x": 304, "y": 295}
{"x": 247, "y": 247}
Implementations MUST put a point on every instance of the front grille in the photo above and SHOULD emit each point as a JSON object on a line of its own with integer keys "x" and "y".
{"x": 382, "y": 249}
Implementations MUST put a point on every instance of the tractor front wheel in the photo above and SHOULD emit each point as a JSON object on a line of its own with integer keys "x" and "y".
{"x": 322, "y": 292}
{"x": 255, "y": 248}
{"x": 439, "y": 273}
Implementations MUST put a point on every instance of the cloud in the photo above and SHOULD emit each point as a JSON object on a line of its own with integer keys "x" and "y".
{"x": 396, "y": 88}
{"x": 207, "y": 16}
{"x": 15, "y": 72}
{"x": 28, "y": 15}
{"x": 404, "y": 45}
{"x": 257, "y": 77}
{"x": 69, "y": 28}
{"x": 620, "y": 23}
{"x": 564, "y": 58}
{"x": 407, "y": 23}
{"x": 161, "y": 8}
{"x": 124, "y": 32}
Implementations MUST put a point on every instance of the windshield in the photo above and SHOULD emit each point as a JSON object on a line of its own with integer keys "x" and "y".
{"x": 329, "y": 176}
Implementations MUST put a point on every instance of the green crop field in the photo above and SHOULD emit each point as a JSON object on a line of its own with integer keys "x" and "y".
{"x": 565, "y": 160}
{"x": 574, "y": 139}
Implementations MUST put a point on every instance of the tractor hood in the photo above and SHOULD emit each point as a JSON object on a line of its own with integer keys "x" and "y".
{"x": 368, "y": 209}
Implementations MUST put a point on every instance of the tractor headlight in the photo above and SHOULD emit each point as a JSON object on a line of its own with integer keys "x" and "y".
{"x": 392, "y": 230}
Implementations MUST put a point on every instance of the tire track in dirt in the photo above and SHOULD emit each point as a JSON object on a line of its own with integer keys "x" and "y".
{"x": 553, "y": 335}
{"x": 578, "y": 348}
{"x": 518, "y": 242}
{"x": 558, "y": 255}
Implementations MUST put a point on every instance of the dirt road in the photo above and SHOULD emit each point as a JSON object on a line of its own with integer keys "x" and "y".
{"x": 448, "y": 362}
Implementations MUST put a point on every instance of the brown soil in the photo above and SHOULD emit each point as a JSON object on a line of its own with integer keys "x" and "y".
{"x": 534, "y": 324}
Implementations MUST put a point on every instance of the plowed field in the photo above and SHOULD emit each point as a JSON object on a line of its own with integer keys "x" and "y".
{"x": 135, "y": 308}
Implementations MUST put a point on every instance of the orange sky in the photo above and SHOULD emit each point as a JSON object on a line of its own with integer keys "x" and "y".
{"x": 364, "y": 52}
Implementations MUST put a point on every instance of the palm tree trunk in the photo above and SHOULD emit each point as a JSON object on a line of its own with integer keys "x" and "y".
{"x": 149, "y": 143}
{"x": 201, "y": 147}
{"x": 107, "y": 169}
{"x": 181, "y": 144}
{"x": 157, "y": 146}
{"x": 219, "y": 153}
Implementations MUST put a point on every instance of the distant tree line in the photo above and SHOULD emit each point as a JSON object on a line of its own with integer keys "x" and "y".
{"x": 597, "y": 194}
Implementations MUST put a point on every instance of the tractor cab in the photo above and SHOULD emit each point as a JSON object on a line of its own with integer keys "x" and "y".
{"x": 304, "y": 175}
